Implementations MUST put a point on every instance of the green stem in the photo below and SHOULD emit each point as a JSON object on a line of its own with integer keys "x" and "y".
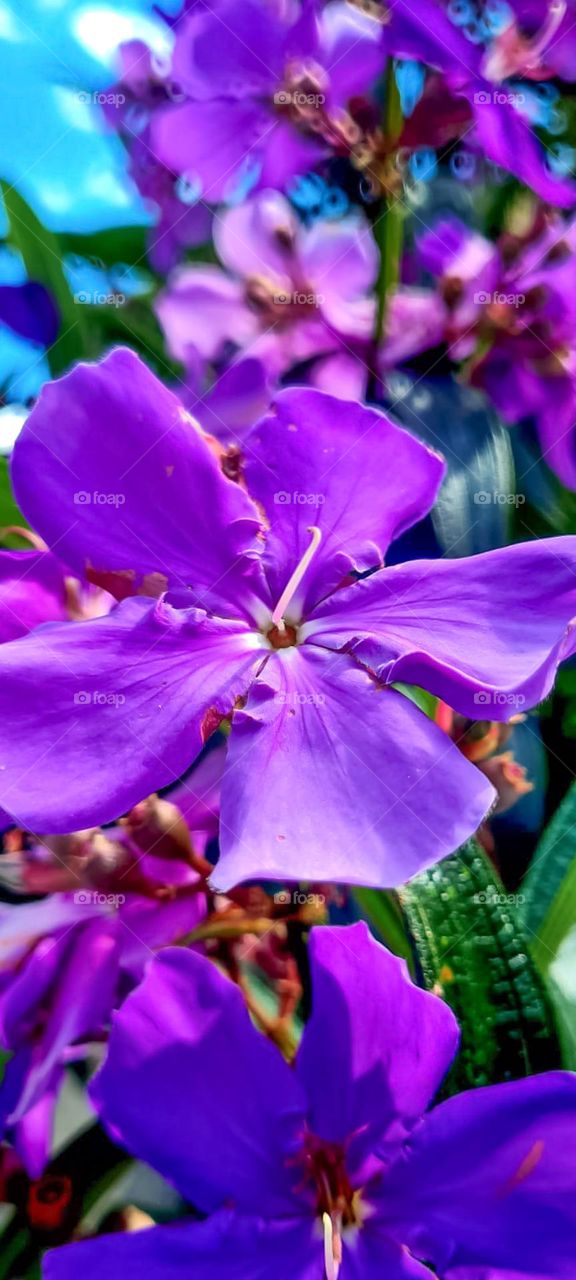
{"x": 42, "y": 256}
{"x": 389, "y": 225}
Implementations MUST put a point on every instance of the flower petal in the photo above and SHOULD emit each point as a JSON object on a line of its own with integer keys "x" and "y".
{"x": 485, "y": 633}
{"x": 108, "y": 711}
{"x": 375, "y": 1048}
{"x": 323, "y": 734}
{"x": 201, "y": 310}
{"x": 129, "y": 483}
{"x": 319, "y": 460}
{"x": 225, "y": 1247}
{"x": 32, "y": 590}
{"x": 210, "y": 142}
{"x": 506, "y": 138}
{"x": 340, "y": 265}
{"x": 256, "y": 238}
{"x": 191, "y": 1087}
{"x": 488, "y": 1180}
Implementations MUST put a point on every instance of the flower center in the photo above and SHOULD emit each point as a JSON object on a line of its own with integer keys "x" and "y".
{"x": 337, "y": 1204}
{"x": 303, "y": 94}
{"x": 280, "y": 635}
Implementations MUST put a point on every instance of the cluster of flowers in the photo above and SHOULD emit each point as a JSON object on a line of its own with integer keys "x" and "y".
{"x": 213, "y": 562}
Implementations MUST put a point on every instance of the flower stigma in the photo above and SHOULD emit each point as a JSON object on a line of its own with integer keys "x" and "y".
{"x": 280, "y": 635}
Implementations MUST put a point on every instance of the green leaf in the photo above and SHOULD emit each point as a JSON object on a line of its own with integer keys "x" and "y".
{"x": 382, "y": 910}
{"x": 549, "y": 887}
{"x": 42, "y": 256}
{"x": 9, "y": 513}
{"x": 472, "y": 950}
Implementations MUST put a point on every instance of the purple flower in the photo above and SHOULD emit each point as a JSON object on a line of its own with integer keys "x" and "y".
{"x": 266, "y": 86}
{"x": 295, "y": 292}
{"x": 273, "y": 93}
{"x": 57, "y": 988}
{"x": 182, "y": 220}
{"x": 334, "y": 1167}
{"x": 70, "y": 959}
{"x": 521, "y": 308}
{"x": 256, "y": 623}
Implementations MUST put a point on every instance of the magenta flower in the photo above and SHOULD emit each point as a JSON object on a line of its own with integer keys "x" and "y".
{"x": 69, "y": 960}
{"x": 266, "y": 87}
{"x": 254, "y": 621}
{"x": 293, "y": 293}
{"x": 522, "y": 310}
{"x": 336, "y": 1167}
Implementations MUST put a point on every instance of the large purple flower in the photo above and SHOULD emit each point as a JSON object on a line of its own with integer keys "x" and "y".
{"x": 260, "y": 619}
{"x": 333, "y": 1167}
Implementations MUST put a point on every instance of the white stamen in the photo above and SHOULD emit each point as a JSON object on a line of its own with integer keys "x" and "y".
{"x": 297, "y": 576}
{"x": 548, "y": 30}
{"x": 332, "y": 1247}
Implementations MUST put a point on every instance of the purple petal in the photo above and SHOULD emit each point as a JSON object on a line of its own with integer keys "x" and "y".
{"x": 28, "y": 310}
{"x": 425, "y": 33}
{"x": 234, "y": 50}
{"x": 319, "y": 460}
{"x": 225, "y": 1247}
{"x": 351, "y": 51}
{"x": 376, "y": 1047}
{"x": 556, "y": 422}
{"x": 488, "y": 1180}
{"x": 32, "y": 590}
{"x": 507, "y": 139}
{"x": 322, "y": 734}
{"x": 256, "y": 238}
{"x": 191, "y": 1087}
{"x": 109, "y": 711}
{"x": 202, "y": 310}
{"x": 340, "y": 264}
{"x": 32, "y": 1136}
{"x": 211, "y": 141}
{"x": 457, "y": 628}
{"x": 370, "y": 1253}
{"x": 284, "y": 153}
{"x": 198, "y": 796}
{"x": 129, "y": 483}
{"x": 238, "y": 398}
{"x": 66, "y": 990}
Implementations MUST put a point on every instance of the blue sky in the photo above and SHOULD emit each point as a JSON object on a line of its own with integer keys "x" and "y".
{"x": 52, "y": 144}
